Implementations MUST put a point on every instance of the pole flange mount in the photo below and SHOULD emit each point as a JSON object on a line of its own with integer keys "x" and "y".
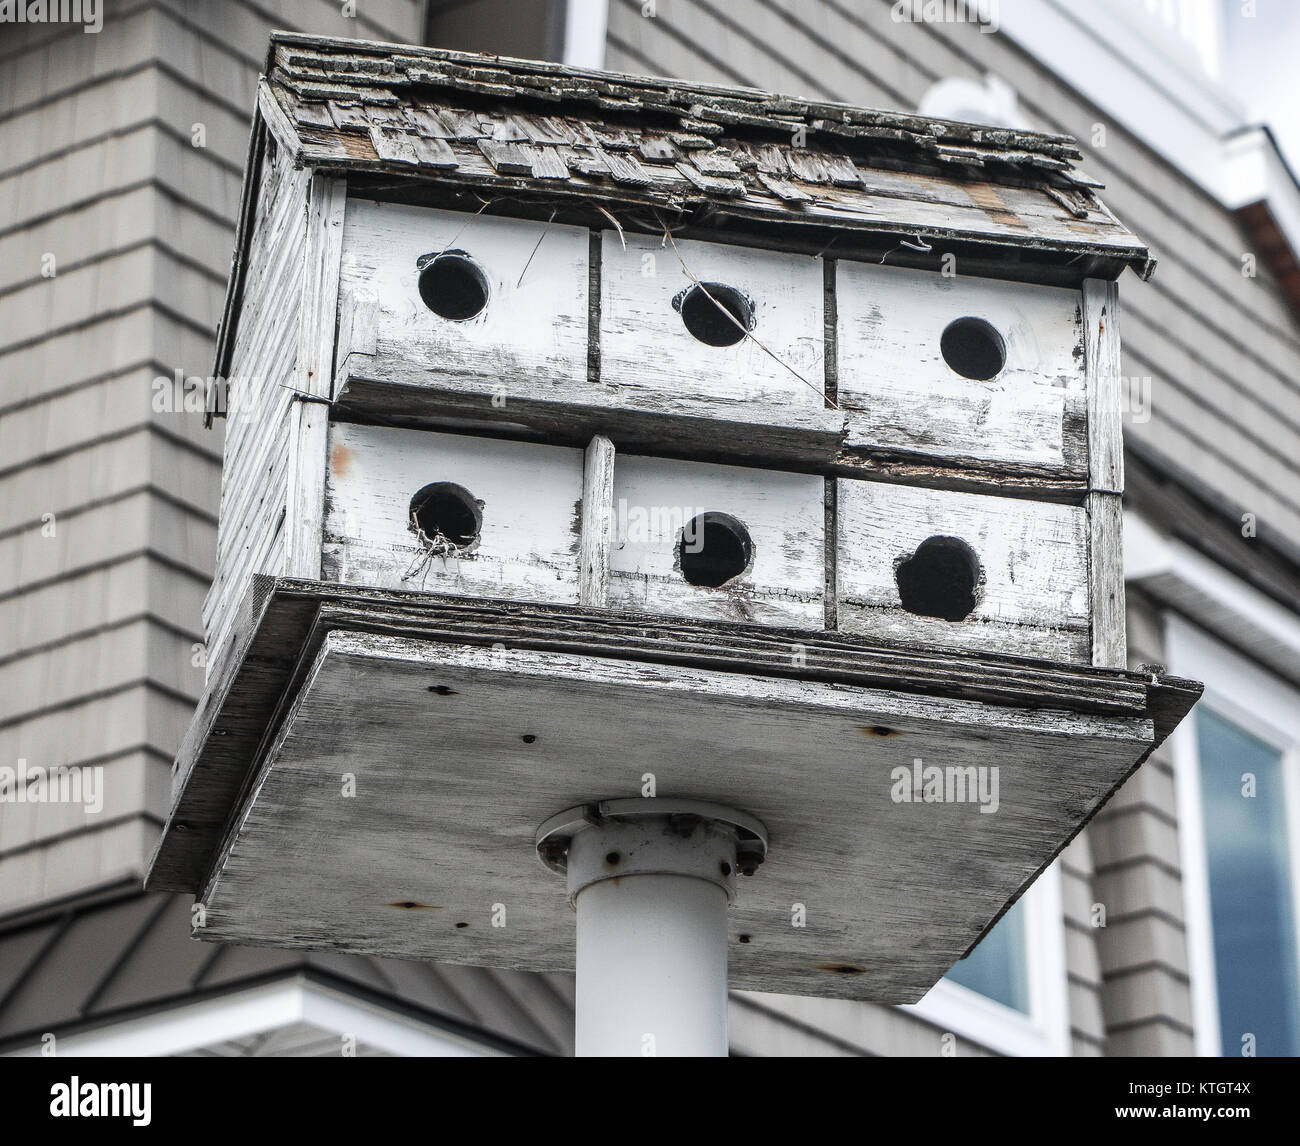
{"x": 611, "y": 839}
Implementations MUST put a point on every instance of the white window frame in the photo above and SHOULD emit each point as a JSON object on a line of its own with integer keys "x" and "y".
{"x": 585, "y": 26}
{"x": 1045, "y": 1031}
{"x": 1267, "y": 707}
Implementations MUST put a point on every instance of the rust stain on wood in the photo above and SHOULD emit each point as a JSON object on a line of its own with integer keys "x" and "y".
{"x": 340, "y": 459}
{"x": 986, "y": 197}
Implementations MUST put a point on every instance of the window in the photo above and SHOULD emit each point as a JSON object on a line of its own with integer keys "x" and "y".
{"x": 1250, "y": 894}
{"x": 1010, "y": 994}
{"x": 998, "y": 968}
{"x": 1237, "y": 762}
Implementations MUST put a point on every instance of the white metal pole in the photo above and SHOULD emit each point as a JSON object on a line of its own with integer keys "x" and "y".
{"x": 652, "y": 967}
{"x": 651, "y": 881}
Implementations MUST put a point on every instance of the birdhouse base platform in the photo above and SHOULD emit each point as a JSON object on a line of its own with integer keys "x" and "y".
{"x": 370, "y": 774}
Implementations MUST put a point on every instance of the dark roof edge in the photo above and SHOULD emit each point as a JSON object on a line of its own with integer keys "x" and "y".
{"x": 952, "y": 130}
{"x": 233, "y": 301}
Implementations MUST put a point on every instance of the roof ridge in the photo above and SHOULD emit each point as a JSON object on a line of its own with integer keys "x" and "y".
{"x": 848, "y": 113}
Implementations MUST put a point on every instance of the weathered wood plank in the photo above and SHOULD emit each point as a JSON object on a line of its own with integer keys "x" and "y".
{"x": 281, "y": 127}
{"x": 528, "y": 501}
{"x": 530, "y": 334}
{"x": 1105, "y": 471}
{"x": 222, "y": 744}
{"x": 1038, "y": 483}
{"x": 1027, "y": 591}
{"x": 312, "y": 378}
{"x": 531, "y": 729}
{"x": 1106, "y": 579}
{"x": 657, "y": 501}
{"x": 326, "y": 208}
{"x": 406, "y": 393}
{"x": 900, "y": 392}
{"x": 647, "y": 349}
{"x": 1101, "y": 356}
{"x": 597, "y": 522}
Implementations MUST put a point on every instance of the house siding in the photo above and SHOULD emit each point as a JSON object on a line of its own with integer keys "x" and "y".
{"x": 100, "y": 624}
{"x": 1143, "y": 946}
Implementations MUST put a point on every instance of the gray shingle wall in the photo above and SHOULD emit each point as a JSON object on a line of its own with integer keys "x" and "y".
{"x": 782, "y": 1026}
{"x": 91, "y": 963}
{"x": 98, "y": 622}
{"x": 1143, "y": 947}
{"x": 1082, "y": 960}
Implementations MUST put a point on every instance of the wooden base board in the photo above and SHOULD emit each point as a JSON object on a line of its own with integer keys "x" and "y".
{"x": 459, "y": 749}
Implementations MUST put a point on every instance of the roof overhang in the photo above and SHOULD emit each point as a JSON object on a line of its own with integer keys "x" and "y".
{"x": 1262, "y": 190}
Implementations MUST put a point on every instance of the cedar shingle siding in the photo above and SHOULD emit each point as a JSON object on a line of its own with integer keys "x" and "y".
{"x": 99, "y": 623}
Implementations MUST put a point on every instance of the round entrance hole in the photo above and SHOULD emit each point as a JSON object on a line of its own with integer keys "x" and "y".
{"x": 973, "y": 349}
{"x": 939, "y": 579}
{"x": 714, "y": 548}
{"x": 446, "y": 516}
{"x": 452, "y": 285}
{"x": 720, "y": 320}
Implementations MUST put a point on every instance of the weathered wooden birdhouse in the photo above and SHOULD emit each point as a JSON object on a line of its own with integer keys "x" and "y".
{"x": 591, "y": 437}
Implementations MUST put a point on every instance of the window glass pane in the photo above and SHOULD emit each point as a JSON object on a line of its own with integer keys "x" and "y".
{"x": 1251, "y": 908}
{"x": 997, "y": 967}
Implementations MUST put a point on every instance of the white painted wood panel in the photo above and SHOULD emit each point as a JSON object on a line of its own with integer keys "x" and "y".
{"x": 783, "y": 513}
{"x": 901, "y": 394}
{"x": 308, "y": 422}
{"x": 597, "y": 521}
{"x": 1105, "y": 472}
{"x": 257, "y": 440}
{"x": 531, "y": 499}
{"x": 645, "y": 347}
{"x": 532, "y": 330}
{"x": 1032, "y": 595}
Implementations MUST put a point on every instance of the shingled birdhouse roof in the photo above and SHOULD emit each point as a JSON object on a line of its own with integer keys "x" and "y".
{"x": 524, "y": 137}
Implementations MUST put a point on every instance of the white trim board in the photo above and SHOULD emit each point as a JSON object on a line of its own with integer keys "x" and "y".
{"x": 1195, "y": 586}
{"x": 1253, "y": 171}
{"x": 1107, "y": 52}
{"x": 1122, "y": 59}
{"x": 585, "y": 26}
